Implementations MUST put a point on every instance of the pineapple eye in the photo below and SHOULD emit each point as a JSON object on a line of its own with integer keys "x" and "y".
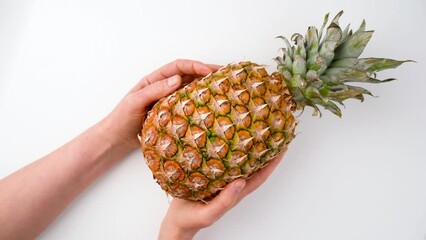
{"x": 173, "y": 171}
{"x": 161, "y": 180}
{"x": 251, "y": 166}
{"x": 196, "y": 137}
{"x": 232, "y": 174}
{"x": 184, "y": 107}
{"x": 179, "y": 191}
{"x": 217, "y": 148}
{"x": 257, "y": 87}
{"x": 150, "y": 115}
{"x": 202, "y": 96}
{"x": 261, "y": 130}
{"x": 150, "y": 136}
{"x": 172, "y": 99}
{"x": 277, "y": 120}
{"x": 164, "y": 116}
{"x": 178, "y": 127}
{"x": 203, "y": 195}
{"x": 214, "y": 168}
{"x": 167, "y": 146}
{"x": 278, "y": 139}
{"x": 244, "y": 140}
{"x": 188, "y": 106}
{"x": 203, "y": 117}
{"x": 260, "y": 108}
{"x": 191, "y": 159}
{"x": 153, "y": 160}
{"x": 259, "y": 71}
{"x": 237, "y": 158}
{"x": 274, "y": 100}
{"x": 237, "y": 76}
{"x": 259, "y": 149}
{"x": 220, "y": 105}
{"x": 240, "y": 94}
{"x": 224, "y": 127}
{"x": 220, "y": 85}
{"x": 217, "y": 186}
{"x": 197, "y": 181}
{"x": 241, "y": 116}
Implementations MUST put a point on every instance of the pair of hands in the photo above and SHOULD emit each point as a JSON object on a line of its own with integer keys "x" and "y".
{"x": 184, "y": 218}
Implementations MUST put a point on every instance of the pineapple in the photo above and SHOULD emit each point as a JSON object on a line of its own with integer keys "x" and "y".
{"x": 232, "y": 122}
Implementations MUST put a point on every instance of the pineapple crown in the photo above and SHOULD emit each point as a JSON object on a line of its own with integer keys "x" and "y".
{"x": 317, "y": 68}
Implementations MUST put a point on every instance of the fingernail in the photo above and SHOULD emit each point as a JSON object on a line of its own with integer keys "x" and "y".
{"x": 172, "y": 81}
{"x": 239, "y": 186}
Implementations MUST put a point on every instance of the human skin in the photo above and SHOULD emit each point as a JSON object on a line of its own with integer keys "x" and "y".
{"x": 51, "y": 183}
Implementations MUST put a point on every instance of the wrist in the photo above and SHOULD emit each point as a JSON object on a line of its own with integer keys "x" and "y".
{"x": 109, "y": 133}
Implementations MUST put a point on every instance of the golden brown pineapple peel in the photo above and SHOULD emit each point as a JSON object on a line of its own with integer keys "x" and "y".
{"x": 224, "y": 126}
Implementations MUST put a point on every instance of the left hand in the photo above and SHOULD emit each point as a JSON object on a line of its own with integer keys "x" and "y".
{"x": 125, "y": 122}
{"x": 185, "y": 218}
{"x": 32, "y": 197}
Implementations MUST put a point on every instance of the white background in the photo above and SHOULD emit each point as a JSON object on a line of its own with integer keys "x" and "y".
{"x": 65, "y": 64}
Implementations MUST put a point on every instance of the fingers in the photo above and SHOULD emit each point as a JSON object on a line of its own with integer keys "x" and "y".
{"x": 177, "y": 67}
{"x": 223, "y": 202}
{"x": 144, "y": 97}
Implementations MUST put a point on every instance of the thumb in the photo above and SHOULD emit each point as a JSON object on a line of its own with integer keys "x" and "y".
{"x": 225, "y": 200}
{"x": 156, "y": 90}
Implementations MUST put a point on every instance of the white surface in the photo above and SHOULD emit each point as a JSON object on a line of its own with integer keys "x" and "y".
{"x": 65, "y": 64}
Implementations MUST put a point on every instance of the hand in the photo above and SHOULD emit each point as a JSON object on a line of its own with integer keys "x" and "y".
{"x": 125, "y": 122}
{"x": 48, "y": 185}
{"x": 185, "y": 218}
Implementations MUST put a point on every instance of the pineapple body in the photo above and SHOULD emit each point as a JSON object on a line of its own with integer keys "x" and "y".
{"x": 224, "y": 126}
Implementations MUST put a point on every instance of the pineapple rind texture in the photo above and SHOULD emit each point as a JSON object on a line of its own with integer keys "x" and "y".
{"x": 216, "y": 129}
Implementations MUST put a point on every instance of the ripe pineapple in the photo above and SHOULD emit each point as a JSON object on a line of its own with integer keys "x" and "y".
{"x": 232, "y": 122}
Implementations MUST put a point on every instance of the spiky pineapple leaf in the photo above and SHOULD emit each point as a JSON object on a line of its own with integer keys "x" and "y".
{"x": 354, "y": 45}
{"x": 317, "y": 68}
{"x": 342, "y": 75}
{"x": 334, "y": 33}
{"x": 370, "y": 65}
{"x": 347, "y": 92}
{"x": 312, "y": 42}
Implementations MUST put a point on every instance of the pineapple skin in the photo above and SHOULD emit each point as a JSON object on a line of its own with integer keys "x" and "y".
{"x": 224, "y": 126}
